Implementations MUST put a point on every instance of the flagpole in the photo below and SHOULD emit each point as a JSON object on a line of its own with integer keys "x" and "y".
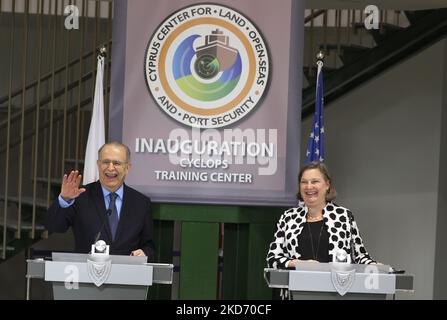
{"x": 320, "y": 63}
{"x": 320, "y": 58}
{"x": 102, "y": 51}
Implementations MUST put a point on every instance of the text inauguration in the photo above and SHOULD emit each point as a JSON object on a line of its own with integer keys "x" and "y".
{"x": 208, "y": 147}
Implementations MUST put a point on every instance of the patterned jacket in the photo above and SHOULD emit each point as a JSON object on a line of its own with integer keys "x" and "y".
{"x": 341, "y": 226}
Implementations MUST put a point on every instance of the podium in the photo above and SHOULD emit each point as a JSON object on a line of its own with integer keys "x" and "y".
{"x": 338, "y": 281}
{"x": 74, "y": 278}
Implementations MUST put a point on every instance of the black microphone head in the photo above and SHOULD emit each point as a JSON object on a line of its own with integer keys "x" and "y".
{"x": 109, "y": 212}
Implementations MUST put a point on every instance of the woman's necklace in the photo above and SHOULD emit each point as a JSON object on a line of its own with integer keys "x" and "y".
{"x": 315, "y": 253}
{"x": 313, "y": 219}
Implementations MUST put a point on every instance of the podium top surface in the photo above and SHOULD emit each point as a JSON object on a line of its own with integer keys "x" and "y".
{"x": 162, "y": 272}
{"x": 328, "y": 267}
{"x": 81, "y": 257}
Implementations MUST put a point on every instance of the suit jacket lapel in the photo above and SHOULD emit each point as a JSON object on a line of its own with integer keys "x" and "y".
{"x": 98, "y": 197}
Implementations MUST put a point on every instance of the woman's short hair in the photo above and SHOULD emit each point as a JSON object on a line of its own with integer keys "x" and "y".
{"x": 331, "y": 193}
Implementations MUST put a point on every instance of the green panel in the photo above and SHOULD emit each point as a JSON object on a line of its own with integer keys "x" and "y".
{"x": 245, "y": 250}
{"x": 163, "y": 238}
{"x": 235, "y": 261}
{"x": 260, "y": 237}
{"x": 198, "y": 260}
{"x": 248, "y": 231}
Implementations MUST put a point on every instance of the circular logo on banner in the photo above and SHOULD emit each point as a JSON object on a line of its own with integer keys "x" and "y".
{"x": 207, "y": 66}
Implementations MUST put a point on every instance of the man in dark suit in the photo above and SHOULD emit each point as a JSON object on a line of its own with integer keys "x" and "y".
{"x": 120, "y": 214}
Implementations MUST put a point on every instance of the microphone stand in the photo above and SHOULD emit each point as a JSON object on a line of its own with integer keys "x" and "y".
{"x": 108, "y": 214}
{"x": 351, "y": 243}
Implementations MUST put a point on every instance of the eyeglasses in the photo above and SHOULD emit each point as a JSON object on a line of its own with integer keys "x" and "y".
{"x": 115, "y": 163}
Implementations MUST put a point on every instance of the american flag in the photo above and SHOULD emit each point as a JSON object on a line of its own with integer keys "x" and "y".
{"x": 315, "y": 146}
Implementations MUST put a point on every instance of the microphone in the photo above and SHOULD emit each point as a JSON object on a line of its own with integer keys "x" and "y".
{"x": 108, "y": 214}
{"x": 351, "y": 243}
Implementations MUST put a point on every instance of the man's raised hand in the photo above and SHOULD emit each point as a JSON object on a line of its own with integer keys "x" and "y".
{"x": 70, "y": 186}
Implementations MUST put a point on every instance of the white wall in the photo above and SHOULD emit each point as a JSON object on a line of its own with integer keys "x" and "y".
{"x": 383, "y": 144}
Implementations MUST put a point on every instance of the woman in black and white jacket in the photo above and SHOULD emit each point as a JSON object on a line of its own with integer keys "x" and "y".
{"x": 319, "y": 229}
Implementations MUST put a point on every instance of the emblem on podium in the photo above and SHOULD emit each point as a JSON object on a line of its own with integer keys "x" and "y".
{"x": 99, "y": 263}
{"x": 342, "y": 275}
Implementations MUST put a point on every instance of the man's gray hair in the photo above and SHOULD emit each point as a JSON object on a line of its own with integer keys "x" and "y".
{"x": 116, "y": 144}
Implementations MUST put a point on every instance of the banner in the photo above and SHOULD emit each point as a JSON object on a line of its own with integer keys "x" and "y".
{"x": 208, "y": 98}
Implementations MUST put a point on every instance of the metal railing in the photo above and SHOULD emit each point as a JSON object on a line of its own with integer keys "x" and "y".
{"x": 334, "y": 29}
{"x": 45, "y": 107}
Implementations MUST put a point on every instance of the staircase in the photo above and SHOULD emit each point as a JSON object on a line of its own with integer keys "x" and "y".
{"x": 45, "y": 110}
{"x": 362, "y": 54}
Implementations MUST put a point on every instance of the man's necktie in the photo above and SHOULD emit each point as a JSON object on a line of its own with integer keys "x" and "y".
{"x": 113, "y": 218}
